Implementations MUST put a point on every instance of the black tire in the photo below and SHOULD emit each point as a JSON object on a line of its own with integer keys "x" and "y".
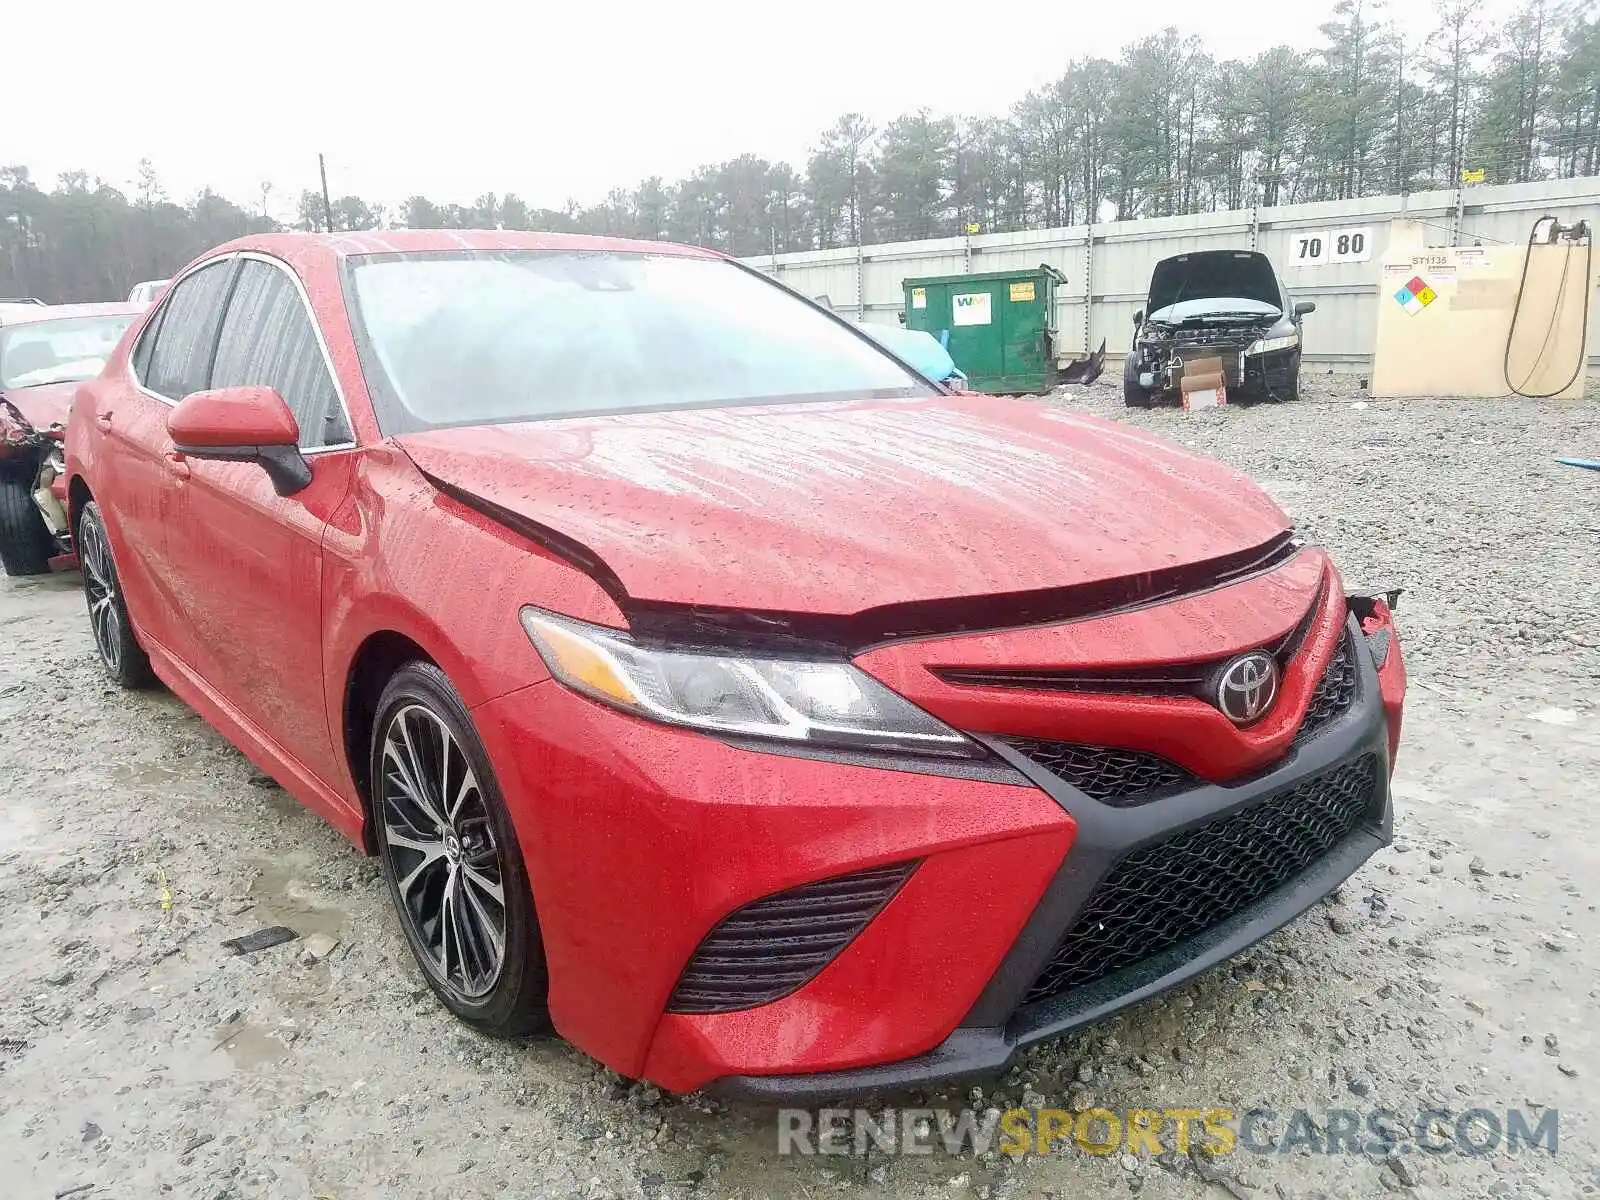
{"x": 477, "y": 851}
{"x": 25, "y": 541}
{"x": 1288, "y": 391}
{"x": 1135, "y": 396}
{"x": 120, "y": 654}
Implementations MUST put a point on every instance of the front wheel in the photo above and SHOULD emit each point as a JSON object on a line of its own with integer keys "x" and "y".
{"x": 1283, "y": 384}
{"x": 120, "y": 653}
{"x": 25, "y": 542}
{"x": 450, "y": 855}
{"x": 1133, "y": 395}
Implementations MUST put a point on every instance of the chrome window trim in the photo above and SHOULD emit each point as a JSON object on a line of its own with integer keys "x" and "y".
{"x": 311, "y": 315}
{"x": 160, "y": 309}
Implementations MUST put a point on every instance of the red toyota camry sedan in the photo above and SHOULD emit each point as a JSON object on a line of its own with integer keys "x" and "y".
{"x": 714, "y": 688}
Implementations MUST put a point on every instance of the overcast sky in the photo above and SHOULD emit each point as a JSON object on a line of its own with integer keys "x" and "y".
{"x": 548, "y": 100}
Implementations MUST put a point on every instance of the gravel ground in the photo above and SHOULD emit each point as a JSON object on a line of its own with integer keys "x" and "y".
{"x": 1455, "y": 971}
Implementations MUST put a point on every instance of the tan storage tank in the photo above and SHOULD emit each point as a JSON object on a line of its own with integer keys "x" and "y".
{"x": 1445, "y": 318}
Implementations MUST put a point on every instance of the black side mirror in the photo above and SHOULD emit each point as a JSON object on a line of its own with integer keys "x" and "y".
{"x": 1304, "y": 307}
{"x": 242, "y": 424}
{"x": 1138, "y": 317}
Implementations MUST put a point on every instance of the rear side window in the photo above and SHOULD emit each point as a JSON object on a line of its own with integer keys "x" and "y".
{"x": 185, "y": 334}
{"x": 146, "y": 346}
{"x": 268, "y": 340}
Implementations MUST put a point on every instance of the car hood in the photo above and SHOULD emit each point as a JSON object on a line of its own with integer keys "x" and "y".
{"x": 844, "y": 507}
{"x": 45, "y": 405}
{"x": 1209, "y": 274}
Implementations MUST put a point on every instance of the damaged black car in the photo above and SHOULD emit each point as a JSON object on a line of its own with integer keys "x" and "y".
{"x": 1226, "y": 304}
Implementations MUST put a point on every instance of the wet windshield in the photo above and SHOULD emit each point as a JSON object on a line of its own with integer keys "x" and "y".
{"x": 61, "y": 351}
{"x": 468, "y": 337}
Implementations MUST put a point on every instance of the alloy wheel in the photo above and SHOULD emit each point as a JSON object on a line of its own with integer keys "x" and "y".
{"x": 100, "y": 585}
{"x": 448, "y": 869}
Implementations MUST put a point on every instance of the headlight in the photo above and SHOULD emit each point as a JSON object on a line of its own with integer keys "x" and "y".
{"x": 1267, "y": 345}
{"x": 789, "y": 700}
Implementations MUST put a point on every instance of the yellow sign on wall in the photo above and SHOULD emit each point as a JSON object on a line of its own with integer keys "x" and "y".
{"x": 1472, "y": 176}
{"x": 1021, "y": 292}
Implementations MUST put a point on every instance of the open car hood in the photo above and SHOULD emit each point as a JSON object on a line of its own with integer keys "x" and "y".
{"x": 841, "y": 508}
{"x": 1190, "y": 279}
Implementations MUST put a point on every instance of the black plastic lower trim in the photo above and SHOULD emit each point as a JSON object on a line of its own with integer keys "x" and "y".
{"x": 973, "y": 1052}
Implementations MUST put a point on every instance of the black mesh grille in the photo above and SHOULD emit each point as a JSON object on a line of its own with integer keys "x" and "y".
{"x": 1334, "y": 691}
{"x": 1168, "y": 892}
{"x": 1120, "y": 777}
{"x": 767, "y": 949}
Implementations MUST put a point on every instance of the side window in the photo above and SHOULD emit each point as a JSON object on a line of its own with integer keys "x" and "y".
{"x": 147, "y": 343}
{"x": 268, "y": 341}
{"x": 179, "y": 361}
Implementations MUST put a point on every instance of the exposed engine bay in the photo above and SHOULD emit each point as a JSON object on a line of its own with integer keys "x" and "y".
{"x": 1216, "y": 304}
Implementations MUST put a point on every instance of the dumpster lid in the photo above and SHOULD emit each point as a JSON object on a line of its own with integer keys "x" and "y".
{"x": 987, "y": 276}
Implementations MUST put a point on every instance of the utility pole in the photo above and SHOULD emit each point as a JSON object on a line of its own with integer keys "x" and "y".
{"x": 1402, "y": 183}
{"x": 327, "y": 204}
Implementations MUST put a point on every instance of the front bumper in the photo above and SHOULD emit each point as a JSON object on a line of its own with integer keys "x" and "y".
{"x": 639, "y": 839}
{"x": 1003, "y": 1022}
{"x": 1251, "y": 375}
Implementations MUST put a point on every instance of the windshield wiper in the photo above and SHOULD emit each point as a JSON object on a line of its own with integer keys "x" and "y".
{"x": 48, "y": 380}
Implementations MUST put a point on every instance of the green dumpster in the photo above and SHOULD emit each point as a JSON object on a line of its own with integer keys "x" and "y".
{"x": 999, "y": 326}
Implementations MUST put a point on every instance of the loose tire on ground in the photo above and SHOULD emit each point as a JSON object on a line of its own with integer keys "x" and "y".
{"x": 446, "y": 843}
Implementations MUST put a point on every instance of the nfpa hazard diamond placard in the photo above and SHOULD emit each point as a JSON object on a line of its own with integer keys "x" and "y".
{"x": 1416, "y": 295}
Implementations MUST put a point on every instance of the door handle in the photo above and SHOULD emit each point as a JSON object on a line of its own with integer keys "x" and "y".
{"x": 178, "y": 464}
{"x": 103, "y": 419}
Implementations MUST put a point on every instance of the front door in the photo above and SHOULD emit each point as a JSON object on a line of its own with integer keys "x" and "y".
{"x": 171, "y": 359}
{"x": 249, "y": 562}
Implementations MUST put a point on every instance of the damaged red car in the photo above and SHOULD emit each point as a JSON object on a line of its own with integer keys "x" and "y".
{"x": 45, "y": 352}
{"x": 714, "y": 688}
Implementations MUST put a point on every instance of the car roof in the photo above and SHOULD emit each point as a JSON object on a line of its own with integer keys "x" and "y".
{"x": 404, "y": 241}
{"x": 32, "y": 314}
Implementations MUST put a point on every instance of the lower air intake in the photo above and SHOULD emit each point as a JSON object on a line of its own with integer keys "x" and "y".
{"x": 774, "y": 946}
{"x": 1167, "y": 893}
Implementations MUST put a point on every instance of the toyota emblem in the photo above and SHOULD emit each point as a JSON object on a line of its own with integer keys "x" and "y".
{"x": 1247, "y": 686}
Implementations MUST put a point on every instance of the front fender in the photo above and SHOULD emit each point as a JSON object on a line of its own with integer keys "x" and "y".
{"x": 401, "y": 558}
